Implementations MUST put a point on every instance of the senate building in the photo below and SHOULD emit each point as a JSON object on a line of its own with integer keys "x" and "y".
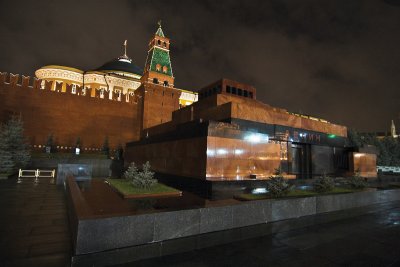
{"x": 119, "y": 76}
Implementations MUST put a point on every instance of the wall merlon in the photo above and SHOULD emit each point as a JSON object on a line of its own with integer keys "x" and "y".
{"x": 14, "y": 79}
{"x": 3, "y": 76}
{"x": 25, "y": 81}
{"x": 36, "y": 83}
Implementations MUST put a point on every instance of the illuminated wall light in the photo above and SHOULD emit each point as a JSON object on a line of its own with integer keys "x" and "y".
{"x": 257, "y": 138}
{"x": 331, "y": 135}
{"x": 259, "y": 191}
{"x": 239, "y": 151}
{"x": 222, "y": 151}
{"x": 210, "y": 152}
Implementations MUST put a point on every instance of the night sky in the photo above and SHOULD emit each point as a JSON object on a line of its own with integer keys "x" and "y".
{"x": 338, "y": 60}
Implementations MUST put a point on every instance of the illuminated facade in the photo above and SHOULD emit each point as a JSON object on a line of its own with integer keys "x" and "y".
{"x": 120, "y": 76}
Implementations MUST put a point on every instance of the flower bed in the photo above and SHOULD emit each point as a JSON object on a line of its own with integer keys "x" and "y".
{"x": 126, "y": 190}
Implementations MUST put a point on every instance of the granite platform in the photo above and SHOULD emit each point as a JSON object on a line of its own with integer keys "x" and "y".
{"x": 157, "y": 232}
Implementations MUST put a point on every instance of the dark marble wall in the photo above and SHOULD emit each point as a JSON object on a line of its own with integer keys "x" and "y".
{"x": 364, "y": 163}
{"x": 184, "y": 157}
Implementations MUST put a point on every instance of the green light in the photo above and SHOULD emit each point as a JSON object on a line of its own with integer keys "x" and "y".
{"x": 331, "y": 135}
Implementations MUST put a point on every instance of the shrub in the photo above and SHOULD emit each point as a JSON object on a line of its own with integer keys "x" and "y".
{"x": 356, "y": 181}
{"x": 141, "y": 179}
{"x": 278, "y": 186}
{"x": 323, "y": 184}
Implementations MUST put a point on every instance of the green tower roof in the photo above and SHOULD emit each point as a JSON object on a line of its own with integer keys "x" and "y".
{"x": 159, "y": 32}
{"x": 159, "y": 56}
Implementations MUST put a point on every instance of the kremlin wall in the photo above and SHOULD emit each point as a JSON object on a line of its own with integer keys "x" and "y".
{"x": 67, "y": 116}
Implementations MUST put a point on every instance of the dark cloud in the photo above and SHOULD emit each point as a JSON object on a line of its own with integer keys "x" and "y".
{"x": 335, "y": 59}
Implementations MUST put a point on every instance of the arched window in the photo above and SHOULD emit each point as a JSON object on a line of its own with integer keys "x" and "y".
{"x": 155, "y": 80}
{"x": 158, "y": 42}
{"x": 158, "y": 67}
{"x": 165, "y": 69}
{"x": 165, "y": 83}
{"x": 165, "y": 44}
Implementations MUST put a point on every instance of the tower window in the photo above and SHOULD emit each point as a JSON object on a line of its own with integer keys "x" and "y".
{"x": 234, "y": 90}
{"x": 165, "y": 69}
{"x": 155, "y": 80}
{"x": 251, "y": 94}
{"x": 240, "y": 91}
{"x": 214, "y": 90}
{"x": 158, "y": 67}
{"x": 245, "y": 93}
{"x": 228, "y": 89}
{"x": 165, "y": 83}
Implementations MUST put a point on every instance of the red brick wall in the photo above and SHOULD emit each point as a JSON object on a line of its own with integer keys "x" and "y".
{"x": 158, "y": 103}
{"x": 68, "y": 116}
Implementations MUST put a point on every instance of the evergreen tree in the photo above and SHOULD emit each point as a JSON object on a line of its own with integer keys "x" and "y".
{"x": 6, "y": 163}
{"x": 140, "y": 179}
{"x": 13, "y": 144}
{"x": 132, "y": 172}
{"x": 146, "y": 177}
{"x": 50, "y": 143}
{"x": 106, "y": 147}
{"x": 78, "y": 142}
{"x": 119, "y": 152}
{"x": 354, "y": 138}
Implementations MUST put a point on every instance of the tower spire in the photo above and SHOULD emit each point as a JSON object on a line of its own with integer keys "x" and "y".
{"x": 393, "y": 130}
{"x": 159, "y": 31}
{"x": 125, "y": 57}
{"x": 125, "y": 45}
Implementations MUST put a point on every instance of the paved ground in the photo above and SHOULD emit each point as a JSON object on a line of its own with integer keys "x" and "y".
{"x": 33, "y": 225}
{"x": 34, "y": 232}
{"x": 369, "y": 240}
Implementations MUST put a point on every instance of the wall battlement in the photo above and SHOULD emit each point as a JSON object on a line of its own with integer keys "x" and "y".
{"x": 27, "y": 82}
